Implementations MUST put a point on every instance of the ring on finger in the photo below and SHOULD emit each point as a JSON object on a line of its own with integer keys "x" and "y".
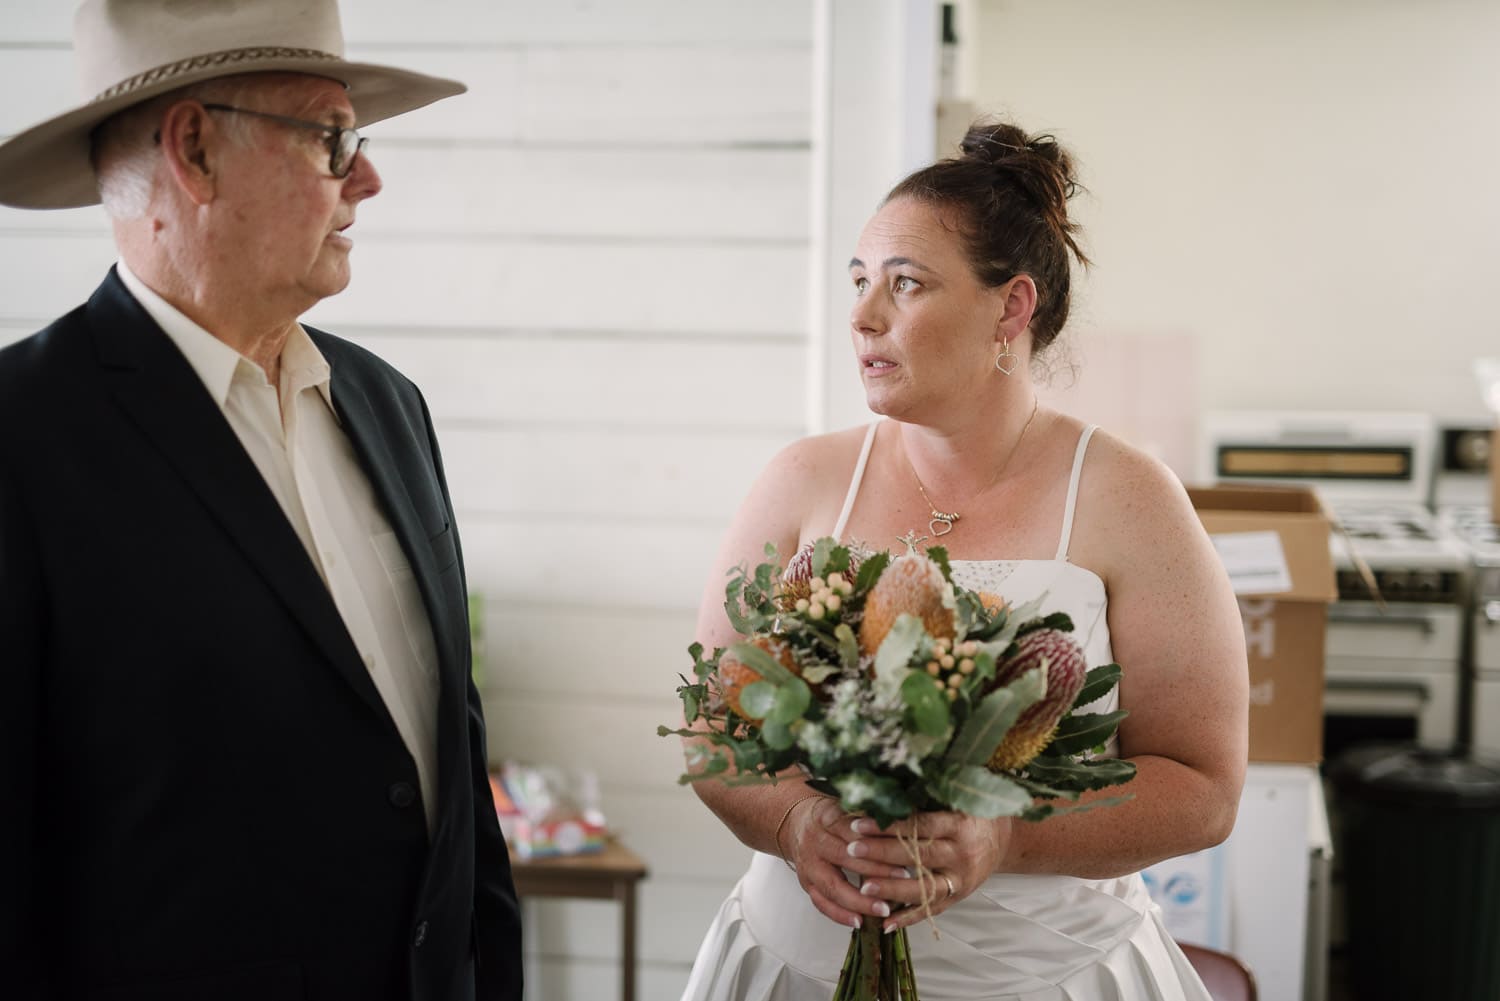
{"x": 951, "y": 889}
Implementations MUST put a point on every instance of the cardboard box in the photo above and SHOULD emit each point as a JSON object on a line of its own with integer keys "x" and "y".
{"x": 1274, "y": 542}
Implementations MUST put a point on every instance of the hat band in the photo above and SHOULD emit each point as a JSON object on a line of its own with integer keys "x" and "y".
{"x": 228, "y": 57}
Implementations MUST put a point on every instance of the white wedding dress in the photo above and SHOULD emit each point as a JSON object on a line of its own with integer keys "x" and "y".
{"x": 1028, "y": 938}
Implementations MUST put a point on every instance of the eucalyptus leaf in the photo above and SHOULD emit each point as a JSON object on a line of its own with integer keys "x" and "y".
{"x": 1097, "y": 684}
{"x": 789, "y": 702}
{"x": 777, "y": 735}
{"x": 761, "y": 663}
{"x": 757, "y": 699}
{"x": 975, "y": 790}
{"x": 819, "y": 673}
{"x": 898, "y": 646}
{"x": 732, "y": 605}
{"x": 1081, "y": 731}
{"x": 993, "y": 717}
{"x": 928, "y": 705}
{"x": 848, "y": 646}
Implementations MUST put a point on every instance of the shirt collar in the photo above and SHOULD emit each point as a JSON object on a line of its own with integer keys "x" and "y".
{"x": 215, "y": 362}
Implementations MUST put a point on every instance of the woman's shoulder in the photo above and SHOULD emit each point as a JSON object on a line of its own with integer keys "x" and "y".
{"x": 1124, "y": 486}
{"x": 830, "y": 456}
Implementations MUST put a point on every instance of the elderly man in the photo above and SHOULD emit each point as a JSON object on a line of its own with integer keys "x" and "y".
{"x": 240, "y": 754}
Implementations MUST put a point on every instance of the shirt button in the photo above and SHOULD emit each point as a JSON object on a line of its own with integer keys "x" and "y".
{"x": 420, "y": 936}
{"x": 401, "y": 795}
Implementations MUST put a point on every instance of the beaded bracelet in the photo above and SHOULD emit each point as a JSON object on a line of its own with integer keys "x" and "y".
{"x": 776, "y": 838}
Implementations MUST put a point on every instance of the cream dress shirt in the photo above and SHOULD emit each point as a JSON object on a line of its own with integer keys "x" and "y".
{"x": 293, "y": 436}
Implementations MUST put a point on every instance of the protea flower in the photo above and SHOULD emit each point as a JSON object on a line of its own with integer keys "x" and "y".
{"x": 1066, "y": 668}
{"x": 796, "y": 579}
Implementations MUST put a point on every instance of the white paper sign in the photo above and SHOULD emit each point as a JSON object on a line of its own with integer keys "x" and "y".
{"x": 1255, "y": 561}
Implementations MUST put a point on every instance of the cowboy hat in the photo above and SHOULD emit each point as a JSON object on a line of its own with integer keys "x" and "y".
{"x": 128, "y": 51}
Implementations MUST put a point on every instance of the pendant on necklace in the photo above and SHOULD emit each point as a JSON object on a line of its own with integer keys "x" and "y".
{"x": 942, "y": 522}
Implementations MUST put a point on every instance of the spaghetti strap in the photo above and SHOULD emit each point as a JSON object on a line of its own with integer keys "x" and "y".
{"x": 859, "y": 475}
{"x": 1068, "y": 511}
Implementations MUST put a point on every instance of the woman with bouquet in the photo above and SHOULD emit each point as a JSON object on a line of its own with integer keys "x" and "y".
{"x": 959, "y": 280}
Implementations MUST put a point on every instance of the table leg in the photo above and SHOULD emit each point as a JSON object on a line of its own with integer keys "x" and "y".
{"x": 627, "y": 944}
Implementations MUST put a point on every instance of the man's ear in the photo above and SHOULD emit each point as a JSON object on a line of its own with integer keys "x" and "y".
{"x": 188, "y": 138}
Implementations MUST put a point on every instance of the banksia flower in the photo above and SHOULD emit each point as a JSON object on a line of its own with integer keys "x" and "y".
{"x": 1066, "y": 668}
{"x": 734, "y": 675}
{"x": 911, "y": 585}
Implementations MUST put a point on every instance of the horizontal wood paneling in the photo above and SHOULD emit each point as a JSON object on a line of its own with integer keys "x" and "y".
{"x": 579, "y": 381}
{"x": 432, "y": 282}
{"x": 521, "y": 640}
{"x": 591, "y": 562}
{"x": 578, "y": 97}
{"x": 688, "y": 476}
{"x": 451, "y": 23}
{"x": 616, "y": 738}
{"x": 581, "y": 286}
{"x": 649, "y": 195}
{"x": 674, "y": 914}
{"x": 639, "y": 95}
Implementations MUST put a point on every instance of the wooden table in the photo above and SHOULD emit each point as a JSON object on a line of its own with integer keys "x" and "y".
{"x": 610, "y": 874}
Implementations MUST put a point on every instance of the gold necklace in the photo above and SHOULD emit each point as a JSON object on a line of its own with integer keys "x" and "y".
{"x": 942, "y": 521}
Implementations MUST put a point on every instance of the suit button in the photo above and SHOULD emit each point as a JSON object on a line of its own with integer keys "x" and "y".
{"x": 420, "y": 936}
{"x": 401, "y": 795}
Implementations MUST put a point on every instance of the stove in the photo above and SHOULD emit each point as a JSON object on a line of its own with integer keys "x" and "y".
{"x": 1395, "y": 635}
{"x": 1472, "y": 524}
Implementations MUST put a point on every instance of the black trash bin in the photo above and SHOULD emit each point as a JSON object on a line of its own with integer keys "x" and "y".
{"x": 1420, "y": 837}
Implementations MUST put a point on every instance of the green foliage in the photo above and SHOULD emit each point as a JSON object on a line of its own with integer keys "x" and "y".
{"x": 993, "y": 717}
{"x": 1079, "y": 732}
{"x": 898, "y": 646}
{"x": 926, "y": 703}
{"x": 880, "y": 732}
{"x": 975, "y": 790}
{"x": 1097, "y": 683}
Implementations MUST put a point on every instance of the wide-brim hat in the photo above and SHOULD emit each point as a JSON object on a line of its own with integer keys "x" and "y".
{"x": 129, "y": 51}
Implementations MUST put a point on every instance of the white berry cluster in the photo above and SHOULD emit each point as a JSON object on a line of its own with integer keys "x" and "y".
{"x": 951, "y": 663}
{"x": 825, "y": 597}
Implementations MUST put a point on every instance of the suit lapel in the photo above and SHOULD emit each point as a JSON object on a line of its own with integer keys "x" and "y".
{"x": 159, "y": 391}
{"x": 387, "y": 477}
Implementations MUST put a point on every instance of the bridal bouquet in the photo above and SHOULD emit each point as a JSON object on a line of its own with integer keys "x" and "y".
{"x": 897, "y": 691}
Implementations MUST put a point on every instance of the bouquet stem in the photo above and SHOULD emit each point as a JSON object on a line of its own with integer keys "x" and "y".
{"x": 877, "y": 967}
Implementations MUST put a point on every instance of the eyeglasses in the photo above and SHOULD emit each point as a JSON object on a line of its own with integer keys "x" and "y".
{"x": 344, "y": 145}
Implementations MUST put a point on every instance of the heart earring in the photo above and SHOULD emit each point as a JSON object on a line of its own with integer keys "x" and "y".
{"x": 1007, "y": 359}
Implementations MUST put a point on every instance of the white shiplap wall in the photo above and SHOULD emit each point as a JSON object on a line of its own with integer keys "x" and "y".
{"x": 596, "y": 265}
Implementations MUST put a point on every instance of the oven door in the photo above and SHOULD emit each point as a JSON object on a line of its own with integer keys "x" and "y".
{"x": 1392, "y": 675}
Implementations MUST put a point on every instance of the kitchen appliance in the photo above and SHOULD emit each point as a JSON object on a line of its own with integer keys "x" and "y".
{"x": 1395, "y": 635}
{"x": 1461, "y": 496}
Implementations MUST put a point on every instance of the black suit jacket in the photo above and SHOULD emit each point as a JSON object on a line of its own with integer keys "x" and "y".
{"x": 203, "y": 794}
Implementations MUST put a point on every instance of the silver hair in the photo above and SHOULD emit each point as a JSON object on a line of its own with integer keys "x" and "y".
{"x": 125, "y": 148}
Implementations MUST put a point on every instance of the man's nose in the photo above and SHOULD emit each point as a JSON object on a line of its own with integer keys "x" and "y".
{"x": 363, "y": 180}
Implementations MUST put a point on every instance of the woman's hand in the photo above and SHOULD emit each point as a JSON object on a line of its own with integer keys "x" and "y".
{"x": 958, "y": 853}
{"x": 816, "y": 839}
